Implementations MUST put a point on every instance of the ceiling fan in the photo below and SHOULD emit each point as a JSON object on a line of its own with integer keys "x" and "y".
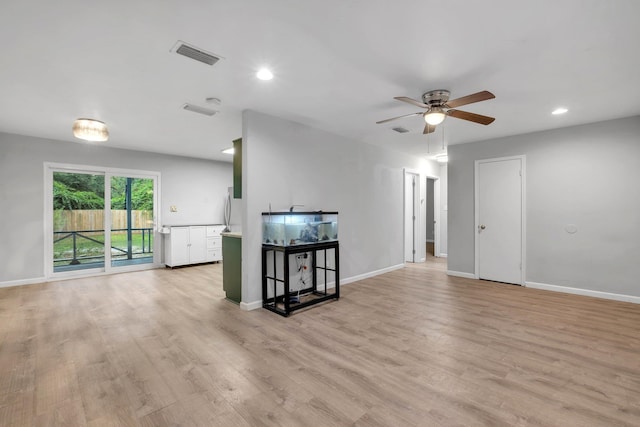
{"x": 439, "y": 107}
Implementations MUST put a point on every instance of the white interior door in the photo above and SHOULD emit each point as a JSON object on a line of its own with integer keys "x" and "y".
{"x": 499, "y": 219}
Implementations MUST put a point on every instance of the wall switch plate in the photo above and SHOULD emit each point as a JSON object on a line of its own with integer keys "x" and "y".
{"x": 173, "y": 208}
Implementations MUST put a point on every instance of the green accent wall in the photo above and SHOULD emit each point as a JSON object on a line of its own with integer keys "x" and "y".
{"x": 232, "y": 267}
{"x": 237, "y": 168}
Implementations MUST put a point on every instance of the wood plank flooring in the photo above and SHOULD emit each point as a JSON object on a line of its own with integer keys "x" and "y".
{"x": 411, "y": 347}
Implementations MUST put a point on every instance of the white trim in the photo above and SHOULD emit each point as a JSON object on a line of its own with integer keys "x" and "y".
{"x": 363, "y": 276}
{"x": 258, "y": 304}
{"x": 431, "y": 240}
{"x": 77, "y": 275}
{"x": 248, "y": 306}
{"x": 523, "y": 224}
{"x": 441, "y": 255}
{"x": 437, "y": 209}
{"x": 461, "y": 274}
{"x": 417, "y": 212}
{"x": 583, "y": 292}
{"x": 22, "y": 282}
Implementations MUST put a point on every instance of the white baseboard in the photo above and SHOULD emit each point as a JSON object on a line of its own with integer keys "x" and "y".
{"x": 423, "y": 259}
{"x": 585, "y": 292}
{"x": 21, "y": 282}
{"x": 430, "y": 241}
{"x": 248, "y": 306}
{"x": 352, "y": 279}
{"x": 78, "y": 274}
{"x": 461, "y": 274}
{"x": 441, "y": 255}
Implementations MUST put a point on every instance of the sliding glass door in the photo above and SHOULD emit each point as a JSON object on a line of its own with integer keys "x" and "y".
{"x": 132, "y": 223}
{"x": 78, "y": 221}
{"x": 92, "y": 210}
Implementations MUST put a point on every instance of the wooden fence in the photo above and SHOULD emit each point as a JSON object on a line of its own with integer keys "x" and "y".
{"x": 64, "y": 220}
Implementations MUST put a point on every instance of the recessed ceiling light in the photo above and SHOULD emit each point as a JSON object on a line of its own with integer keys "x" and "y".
{"x": 560, "y": 110}
{"x": 264, "y": 74}
{"x": 229, "y": 150}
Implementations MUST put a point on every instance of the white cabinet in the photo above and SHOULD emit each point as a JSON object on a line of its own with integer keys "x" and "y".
{"x": 192, "y": 244}
{"x": 214, "y": 242}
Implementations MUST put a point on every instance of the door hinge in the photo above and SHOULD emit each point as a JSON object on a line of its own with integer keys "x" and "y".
{"x": 520, "y": 266}
{"x": 520, "y": 172}
{"x": 414, "y": 251}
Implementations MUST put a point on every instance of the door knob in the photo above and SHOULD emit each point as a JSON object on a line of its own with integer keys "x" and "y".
{"x": 482, "y": 227}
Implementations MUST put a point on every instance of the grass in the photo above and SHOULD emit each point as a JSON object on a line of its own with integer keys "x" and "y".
{"x": 63, "y": 250}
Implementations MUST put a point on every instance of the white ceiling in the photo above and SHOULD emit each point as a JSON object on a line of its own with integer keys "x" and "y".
{"x": 337, "y": 64}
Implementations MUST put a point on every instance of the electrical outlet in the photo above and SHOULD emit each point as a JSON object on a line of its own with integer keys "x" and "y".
{"x": 173, "y": 208}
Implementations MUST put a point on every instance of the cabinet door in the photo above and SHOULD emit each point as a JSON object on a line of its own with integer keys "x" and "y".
{"x": 198, "y": 244}
{"x": 179, "y": 241}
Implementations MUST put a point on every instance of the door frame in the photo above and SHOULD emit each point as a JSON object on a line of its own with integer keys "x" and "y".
{"x": 108, "y": 172}
{"x": 436, "y": 213}
{"x": 523, "y": 210}
{"x": 417, "y": 255}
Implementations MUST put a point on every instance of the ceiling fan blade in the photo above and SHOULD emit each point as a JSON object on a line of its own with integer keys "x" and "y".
{"x": 472, "y": 117}
{"x": 399, "y": 117}
{"x": 411, "y": 101}
{"x": 429, "y": 129}
{"x": 470, "y": 99}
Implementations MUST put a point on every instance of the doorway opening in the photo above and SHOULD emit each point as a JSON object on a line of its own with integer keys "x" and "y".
{"x": 431, "y": 218}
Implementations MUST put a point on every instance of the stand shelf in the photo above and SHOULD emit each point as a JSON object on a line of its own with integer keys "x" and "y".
{"x": 277, "y": 294}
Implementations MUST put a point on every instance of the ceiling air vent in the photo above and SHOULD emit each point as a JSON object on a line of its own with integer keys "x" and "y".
{"x": 195, "y": 53}
{"x": 401, "y": 130}
{"x": 197, "y": 109}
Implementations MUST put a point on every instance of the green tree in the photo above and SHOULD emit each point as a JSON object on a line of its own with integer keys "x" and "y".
{"x": 81, "y": 182}
{"x": 141, "y": 193}
{"x": 69, "y": 198}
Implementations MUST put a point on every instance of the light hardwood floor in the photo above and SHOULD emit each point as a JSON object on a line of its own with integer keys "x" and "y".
{"x": 412, "y": 347}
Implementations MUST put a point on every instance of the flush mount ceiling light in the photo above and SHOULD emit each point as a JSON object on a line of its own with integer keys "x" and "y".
{"x": 434, "y": 116}
{"x": 90, "y": 130}
{"x": 560, "y": 110}
{"x": 229, "y": 150}
{"x": 264, "y": 74}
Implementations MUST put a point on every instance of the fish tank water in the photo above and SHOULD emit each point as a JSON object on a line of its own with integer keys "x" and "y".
{"x": 299, "y": 228}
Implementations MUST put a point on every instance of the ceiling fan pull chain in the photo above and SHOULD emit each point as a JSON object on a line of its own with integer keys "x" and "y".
{"x": 428, "y": 151}
{"x": 443, "y": 137}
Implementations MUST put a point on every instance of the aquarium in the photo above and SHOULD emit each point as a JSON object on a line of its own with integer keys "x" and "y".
{"x": 299, "y": 228}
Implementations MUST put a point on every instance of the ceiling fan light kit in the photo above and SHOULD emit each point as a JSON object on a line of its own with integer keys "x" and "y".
{"x": 439, "y": 107}
{"x": 434, "y": 116}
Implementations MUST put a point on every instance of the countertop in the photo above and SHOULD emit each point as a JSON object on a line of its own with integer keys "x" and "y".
{"x": 236, "y": 234}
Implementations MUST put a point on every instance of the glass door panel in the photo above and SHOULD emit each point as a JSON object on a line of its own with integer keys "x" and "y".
{"x": 132, "y": 220}
{"x": 78, "y": 221}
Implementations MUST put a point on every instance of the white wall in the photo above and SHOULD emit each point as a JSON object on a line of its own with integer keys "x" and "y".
{"x": 584, "y": 175}
{"x": 287, "y": 163}
{"x": 197, "y": 187}
{"x": 444, "y": 213}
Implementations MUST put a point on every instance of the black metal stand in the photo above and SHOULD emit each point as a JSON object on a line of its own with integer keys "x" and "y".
{"x": 283, "y": 303}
